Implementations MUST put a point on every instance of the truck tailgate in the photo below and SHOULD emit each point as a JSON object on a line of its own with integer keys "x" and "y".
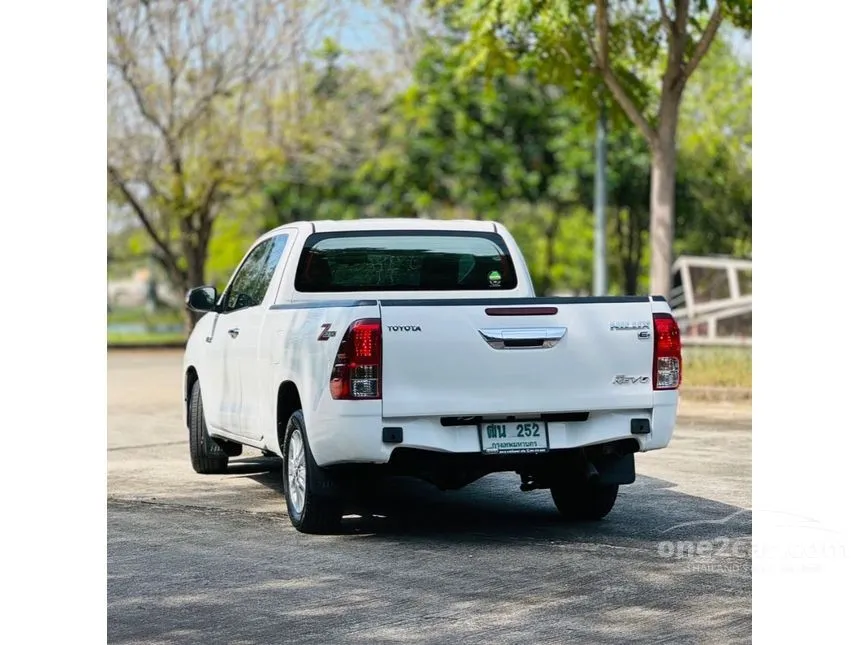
{"x": 497, "y": 356}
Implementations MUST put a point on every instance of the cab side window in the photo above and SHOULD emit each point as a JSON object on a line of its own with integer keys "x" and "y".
{"x": 252, "y": 280}
{"x": 244, "y": 291}
{"x": 279, "y": 243}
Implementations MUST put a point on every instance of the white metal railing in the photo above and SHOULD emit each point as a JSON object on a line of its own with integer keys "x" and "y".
{"x": 700, "y": 316}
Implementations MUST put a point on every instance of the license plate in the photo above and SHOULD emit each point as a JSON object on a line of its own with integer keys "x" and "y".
{"x": 499, "y": 437}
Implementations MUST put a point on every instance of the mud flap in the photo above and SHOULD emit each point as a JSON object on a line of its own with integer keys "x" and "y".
{"x": 615, "y": 469}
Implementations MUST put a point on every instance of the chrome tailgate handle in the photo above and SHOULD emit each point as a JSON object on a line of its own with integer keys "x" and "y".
{"x": 523, "y": 338}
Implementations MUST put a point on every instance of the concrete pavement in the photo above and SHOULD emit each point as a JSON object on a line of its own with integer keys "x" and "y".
{"x": 214, "y": 559}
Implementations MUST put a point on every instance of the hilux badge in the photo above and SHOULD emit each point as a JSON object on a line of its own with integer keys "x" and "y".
{"x": 629, "y": 325}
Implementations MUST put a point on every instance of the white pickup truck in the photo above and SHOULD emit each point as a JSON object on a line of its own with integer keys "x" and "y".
{"x": 361, "y": 348}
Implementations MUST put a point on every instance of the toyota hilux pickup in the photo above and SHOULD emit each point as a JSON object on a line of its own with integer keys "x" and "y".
{"x": 364, "y": 348}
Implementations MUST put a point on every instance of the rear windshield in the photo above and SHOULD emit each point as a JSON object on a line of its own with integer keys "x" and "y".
{"x": 404, "y": 261}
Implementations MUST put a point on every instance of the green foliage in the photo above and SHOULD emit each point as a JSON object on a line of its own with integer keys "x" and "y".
{"x": 517, "y": 149}
{"x": 628, "y": 183}
{"x": 640, "y": 54}
{"x": 231, "y": 239}
{"x": 714, "y": 206}
{"x": 502, "y": 128}
{"x": 319, "y": 176}
{"x": 560, "y": 40}
{"x": 556, "y": 39}
{"x": 162, "y": 317}
{"x": 739, "y": 13}
{"x": 189, "y": 119}
{"x": 474, "y": 144}
{"x": 118, "y": 340}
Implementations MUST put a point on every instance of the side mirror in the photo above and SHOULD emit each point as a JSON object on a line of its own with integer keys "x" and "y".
{"x": 201, "y": 299}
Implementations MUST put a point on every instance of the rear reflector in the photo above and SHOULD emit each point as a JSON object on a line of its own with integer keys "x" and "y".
{"x": 667, "y": 352}
{"x": 357, "y": 370}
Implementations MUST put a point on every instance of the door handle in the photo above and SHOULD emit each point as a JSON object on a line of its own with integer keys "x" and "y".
{"x": 233, "y": 332}
{"x": 524, "y": 338}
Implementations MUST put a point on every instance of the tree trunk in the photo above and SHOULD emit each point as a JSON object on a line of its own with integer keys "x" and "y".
{"x": 662, "y": 212}
{"x": 638, "y": 226}
{"x": 630, "y": 267}
{"x": 629, "y": 235}
{"x": 551, "y": 232}
{"x": 195, "y": 278}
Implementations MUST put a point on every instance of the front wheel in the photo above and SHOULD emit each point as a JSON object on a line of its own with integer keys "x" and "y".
{"x": 584, "y": 501}
{"x": 207, "y": 456}
{"x": 311, "y": 495}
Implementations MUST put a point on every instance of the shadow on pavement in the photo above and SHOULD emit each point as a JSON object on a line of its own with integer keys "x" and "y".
{"x": 494, "y": 508}
{"x": 484, "y": 564}
{"x": 261, "y": 465}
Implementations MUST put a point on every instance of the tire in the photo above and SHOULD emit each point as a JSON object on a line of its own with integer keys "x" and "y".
{"x": 584, "y": 501}
{"x": 313, "y": 502}
{"x": 207, "y": 457}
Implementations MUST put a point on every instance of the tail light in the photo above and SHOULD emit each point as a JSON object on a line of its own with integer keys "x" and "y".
{"x": 357, "y": 371}
{"x": 667, "y": 352}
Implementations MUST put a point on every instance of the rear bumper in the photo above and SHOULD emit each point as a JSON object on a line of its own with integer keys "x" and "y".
{"x": 351, "y": 431}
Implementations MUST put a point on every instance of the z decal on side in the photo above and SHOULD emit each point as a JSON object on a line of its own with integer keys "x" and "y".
{"x": 326, "y": 332}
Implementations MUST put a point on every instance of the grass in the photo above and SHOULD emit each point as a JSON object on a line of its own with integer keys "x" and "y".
{"x": 718, "y": 367}
{"x": 119, "y": 339}
{"x": 141, "y": 315}
{"x": 139, "y": 327}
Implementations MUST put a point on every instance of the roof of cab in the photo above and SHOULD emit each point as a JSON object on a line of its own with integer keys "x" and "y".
{"x": 394, "y": 223}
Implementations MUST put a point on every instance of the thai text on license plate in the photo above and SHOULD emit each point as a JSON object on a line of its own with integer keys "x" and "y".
{"x": 514, "y": 436}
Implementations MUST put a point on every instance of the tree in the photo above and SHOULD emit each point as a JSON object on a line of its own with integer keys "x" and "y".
{"x": 589, "y": 46}
{"x": 399, "y": 29}
{"x": 318, "y": 168}
{"x": 514, "y": 148}
{"x": 468, "y": 145}
{"x": 509, "y": 147}
{"x": 470, "y": 149}
{"x": 714, "y": 208}
{"x": 187, "y": 99}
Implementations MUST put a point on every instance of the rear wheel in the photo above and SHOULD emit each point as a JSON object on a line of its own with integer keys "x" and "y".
{"x": 207, "y": 457}
{"x": 584, "y": 501}
{"x": 311, "y": 494}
